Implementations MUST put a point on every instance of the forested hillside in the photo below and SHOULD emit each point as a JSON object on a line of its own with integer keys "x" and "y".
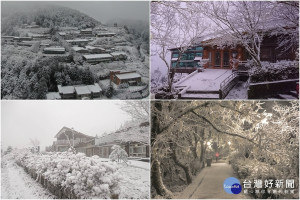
{"x": 48, "y": 17}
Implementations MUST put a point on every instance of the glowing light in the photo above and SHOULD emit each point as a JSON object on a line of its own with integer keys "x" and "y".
{"x": 229, "y": 143}
{"x": 208, "y": 143}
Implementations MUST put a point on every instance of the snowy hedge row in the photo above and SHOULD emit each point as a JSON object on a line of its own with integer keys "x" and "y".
{"x": 282, "y": 70}
{"x": 86, "y": 177}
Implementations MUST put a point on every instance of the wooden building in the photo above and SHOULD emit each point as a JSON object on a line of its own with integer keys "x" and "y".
{"x": 68, "y": 137}
{"x": 222, "y": 58}
{"x": 119, "y": 77}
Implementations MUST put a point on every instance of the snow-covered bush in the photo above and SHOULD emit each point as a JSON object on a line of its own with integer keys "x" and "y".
{"x": 282, "y": 70}
{"x": 118, "y": 154}
{"x": 87, "y": 177}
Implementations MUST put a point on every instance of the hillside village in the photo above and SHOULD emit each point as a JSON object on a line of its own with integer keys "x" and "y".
{"x": 115, "y": 65}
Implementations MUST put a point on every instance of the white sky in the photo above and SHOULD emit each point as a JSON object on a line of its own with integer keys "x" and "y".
{"x": 22, "y": 120}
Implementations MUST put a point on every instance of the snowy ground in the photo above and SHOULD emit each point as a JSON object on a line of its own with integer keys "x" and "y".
{"x": 17, "y": 184}
{"x": 136, "y": 179}
{"x": 135, "y": 183}
{"x": 209, "y": 79}
{"x": 239, "y": 91}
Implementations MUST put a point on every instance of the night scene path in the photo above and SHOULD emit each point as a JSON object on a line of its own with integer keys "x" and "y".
{"x": 209, "y": 184}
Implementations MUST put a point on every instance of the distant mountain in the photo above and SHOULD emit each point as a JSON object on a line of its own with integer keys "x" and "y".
{"x": 45, "y": 16}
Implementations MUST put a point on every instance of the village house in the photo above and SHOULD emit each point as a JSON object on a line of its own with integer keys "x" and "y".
{"x": 119, "y": 55}
{"x": 78, "y": 42}
{"x": 67, "y": 138}
{"x": 53, "y": 96}
{"x": 54, "y": 50}
{"x": 119, "y": 77}
{"x": 105, "y": 34}
{"x": 80, "y": 50}
{"x": 96, "y": 58}
{"x": 95, "y": 50}
{"x": 86, "y": 32}
{"x": 80, "y": 91}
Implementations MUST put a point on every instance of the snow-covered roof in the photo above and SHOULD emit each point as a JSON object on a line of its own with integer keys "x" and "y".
{"x": 87, "y": 29}
{"x": 65, "y": 89}
{"x": 128, "y": 75}
{"x": 78, "y": 40}
{"x": 66, "y": 129}
{"x": 95, "y": 56}
{"x": 53, "y": 96}
{"x": 61, "y": 33}
{"x": 78, "y": 48}
{"x": 54, "y": 49}
{"x": 82, "y": 90}
{"x": 120, "y": 53}
{"x": 106, "y": 33}
{"x": 174, "y": 59}
{"x": 95, "y": 88}
{"x": 131, "y": 134}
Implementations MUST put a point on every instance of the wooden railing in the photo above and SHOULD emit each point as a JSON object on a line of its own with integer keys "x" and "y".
{"x": 228, "y": 84}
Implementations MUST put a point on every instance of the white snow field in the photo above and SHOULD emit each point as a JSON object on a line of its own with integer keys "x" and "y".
{"x": 136, "y": 182}
{"x": 208, "y": 80}
{"x": 17, "y": 184}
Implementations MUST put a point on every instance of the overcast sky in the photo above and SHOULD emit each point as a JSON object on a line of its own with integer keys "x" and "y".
{"x": 22, "y": 120}
{"x": 102, "y": 11}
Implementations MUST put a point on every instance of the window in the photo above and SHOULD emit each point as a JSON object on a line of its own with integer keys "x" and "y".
{"x": 199, "y": 48}
{"x": 198, "y": 54}
{"x": 217, "y": 59}
{"x": 175, "y": 55}
{"x": 174, "y": 64}
{"x": 226, "y": 58}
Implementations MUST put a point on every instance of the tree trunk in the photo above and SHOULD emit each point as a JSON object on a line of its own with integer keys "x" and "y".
{"x": 157, "y": 182}
{"x": 185, "y": 168}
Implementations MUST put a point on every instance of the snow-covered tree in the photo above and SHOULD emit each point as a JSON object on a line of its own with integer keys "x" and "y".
{"x": 138, "y": 110}
{"x": 118, "y": 154}
{"x": 173, "y": 25}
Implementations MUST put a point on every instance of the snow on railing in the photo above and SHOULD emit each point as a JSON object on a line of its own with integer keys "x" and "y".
{"x": 227, "y": 84}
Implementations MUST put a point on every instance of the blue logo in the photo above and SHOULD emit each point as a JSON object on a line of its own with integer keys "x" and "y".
{"x": 232, "y": 186}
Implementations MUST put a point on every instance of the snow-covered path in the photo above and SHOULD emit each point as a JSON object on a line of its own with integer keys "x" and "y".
{"x": 209, "y": 184}
{"x": 17, "y": 184}
{"x": 136, "y": 182}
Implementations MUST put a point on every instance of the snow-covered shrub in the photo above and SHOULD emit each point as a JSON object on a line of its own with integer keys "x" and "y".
{"x": 282, "y": 70}
{"x": 87, "y": 177}
{"x": 118, "y": 154}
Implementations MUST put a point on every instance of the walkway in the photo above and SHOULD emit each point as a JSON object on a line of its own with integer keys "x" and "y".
{"x": 209, "y": 79}
{"x": 209, "y": 184}
{"x": 17, "y": 184}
